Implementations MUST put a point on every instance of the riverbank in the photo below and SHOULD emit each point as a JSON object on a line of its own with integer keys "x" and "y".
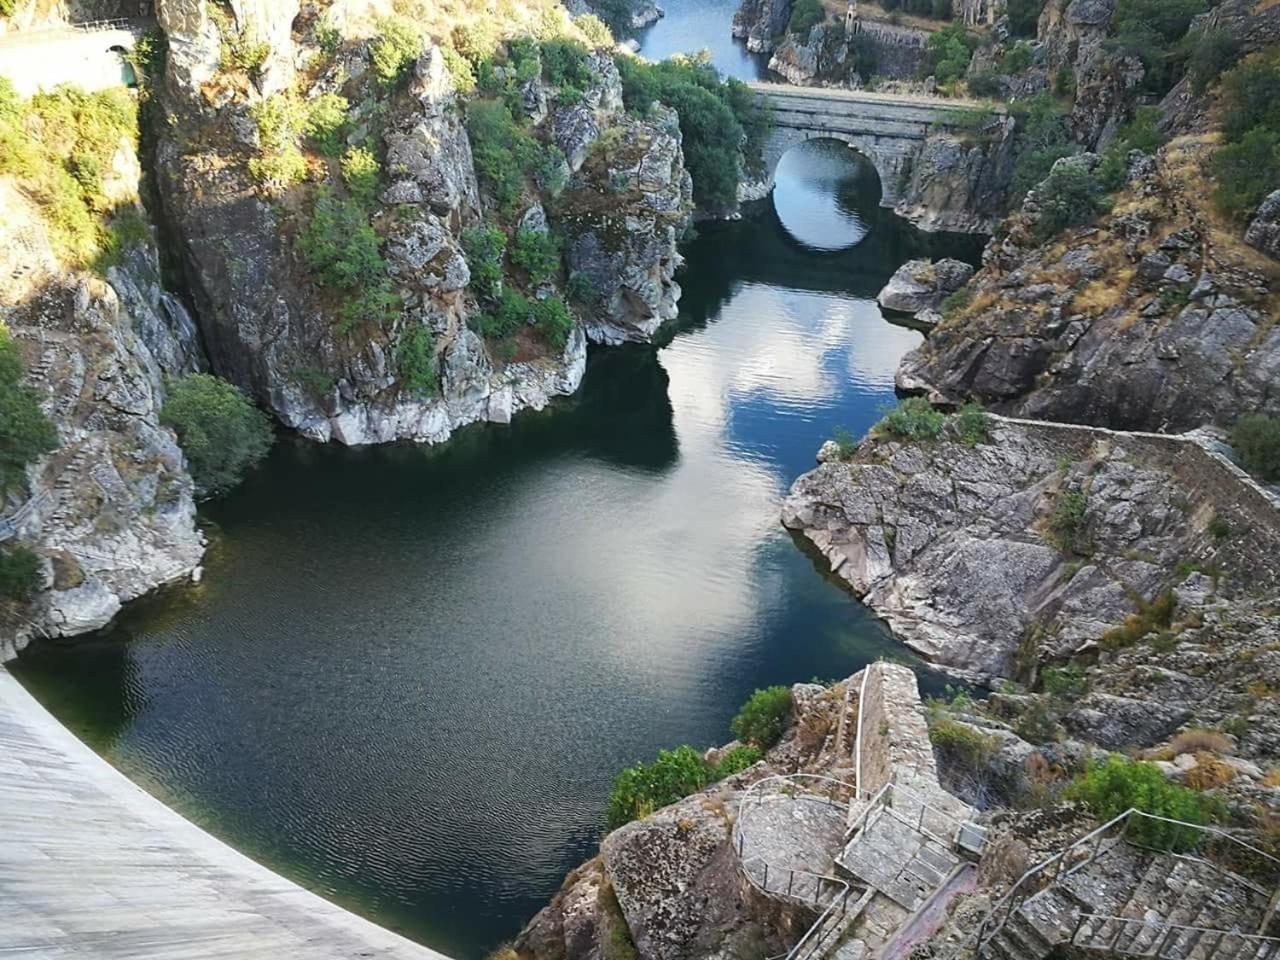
{"x": 93, "y": 866}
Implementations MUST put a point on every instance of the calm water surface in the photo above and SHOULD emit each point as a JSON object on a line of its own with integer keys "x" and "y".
{"x": 691, "y": 26}
{"x": 410, "y": 674}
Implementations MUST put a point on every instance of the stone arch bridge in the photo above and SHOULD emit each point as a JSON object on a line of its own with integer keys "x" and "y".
{"x": 887, "y": 129}
{"x": 86, "y": 55}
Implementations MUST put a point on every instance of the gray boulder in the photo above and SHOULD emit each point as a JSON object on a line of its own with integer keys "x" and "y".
{"x": 923, "y": 284}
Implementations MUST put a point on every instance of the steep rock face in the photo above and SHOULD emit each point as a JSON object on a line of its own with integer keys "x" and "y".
{"x": 977, "y": 13}
{"x": 1264, "y": 229}
{"x": 828, "y": 54}
{"x": 965, "y": 551}
{"x": 961, "y": 186}
{"x": 196, "y": 33}
{"x": 760, "y": 22}
{"x": 110, "y": 512}
{"x": 270, "y": 329}
{"x": 1153, "y": 319}
{"x": 623, "y": 214}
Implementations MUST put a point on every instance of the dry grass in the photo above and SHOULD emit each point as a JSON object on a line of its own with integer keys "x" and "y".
{"x": 1209, "y": 772}
{"x": 1105, "y": 293}
{"x": 1264, "y": 5}
{"x": 1272, "y": 779}
{"x": 1194, "y": 741}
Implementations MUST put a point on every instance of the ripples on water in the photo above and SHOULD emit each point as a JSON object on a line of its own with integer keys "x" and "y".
{"x": 410, "y": 674}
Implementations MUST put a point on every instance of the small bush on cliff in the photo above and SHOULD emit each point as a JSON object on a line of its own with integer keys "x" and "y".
{"x": 1257, "y": 439}
{"x": 1042, "y": 140}
{"x": 483, "y": 247}
{"x": 1248, "y": 167}
{"x": 737, "y": 760}
{"x": 538, "y": 254}
{"x": 554, "y": 321}
{"x": 279, "y": 164}
{"x": 325, "y": 123}
{"x": 416, "y": 355}
{"x": 25, "y": 432}
{"x": 1111, "y": 787}
{"x": 512, "y": 312}
{"x": 973, "y": 424}
{"x": 360, "y": 171}
{"x": 395, "y": 49}
{"x": 501, "y": 149}
{"x": 948, "y": 52}
{"x": 1141, "y": 133}
{"x": 1212, "y": 52}
{"x": 339, "y": 245}
{"x": 19, "y": 574}
{"x": 221, "y": 432}
{"x": 1067, "y": 525}
{"x": 1024, "y": 16}
{"x": 1153, "y": 31}
{"x": 594, "y": 29}
{"x": 805, "y": 15}
{"x": 1070, "y": 196}
{"x": 959, "y": 744}
{"x": 763, "y": 717}
{"x": 912, "y": 419}
{"x": 640, "y": 790}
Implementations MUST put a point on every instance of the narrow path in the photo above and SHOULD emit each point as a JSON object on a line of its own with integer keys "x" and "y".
{"x": 94, "y": 868}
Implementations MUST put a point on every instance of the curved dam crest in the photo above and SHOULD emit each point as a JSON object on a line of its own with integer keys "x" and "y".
{"x": 95, "y": 867}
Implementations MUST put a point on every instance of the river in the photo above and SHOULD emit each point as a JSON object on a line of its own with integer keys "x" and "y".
{"x": 410, "y": 674}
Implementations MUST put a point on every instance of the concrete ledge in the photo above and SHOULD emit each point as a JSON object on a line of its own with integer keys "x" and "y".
{"x": 94, "y": 867}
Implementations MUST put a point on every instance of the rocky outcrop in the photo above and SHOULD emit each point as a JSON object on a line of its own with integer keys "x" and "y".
{"x": 848, "y": 53}
{"x": 1264, "y": 229}
{"x": 761, "y": 22}
{"x": 110, "y": 512}
{"x": 990, "y": 554}
{"x": 961, "y": 184}
{"x": 923, "y": 284}
{"x": 622, "y": 216}
{"x": 274, "y": 330}
{"x": 1154, "y": 318}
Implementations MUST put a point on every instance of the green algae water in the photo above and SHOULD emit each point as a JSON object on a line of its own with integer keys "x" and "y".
{"x": 410, "y": 674}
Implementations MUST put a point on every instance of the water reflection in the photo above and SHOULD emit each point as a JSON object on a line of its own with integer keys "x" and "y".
{"x": 410, "y": 674}
{"x": 691, "y": 26}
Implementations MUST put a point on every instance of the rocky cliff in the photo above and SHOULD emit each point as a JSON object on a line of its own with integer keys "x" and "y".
{"x": 109, "y": 512}
{"x": 1157, "y": 317}
{"x": 761, "y": 22}
{"x": 274, "y": 329}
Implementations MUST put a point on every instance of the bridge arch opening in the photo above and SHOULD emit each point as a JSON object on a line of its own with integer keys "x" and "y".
{"x": 128, "y": 76}
{"x": 826, "y": 193}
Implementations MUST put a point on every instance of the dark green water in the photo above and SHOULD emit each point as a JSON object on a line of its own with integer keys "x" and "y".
{"x": 411, "y": 673}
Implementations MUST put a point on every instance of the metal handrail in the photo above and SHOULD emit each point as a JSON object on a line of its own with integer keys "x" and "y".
{"x": 789, "y": 890}
{"x": 1169, "y": 930}
{"x": 884, "y": 797}
{"x": 1017, "y": 895}
{"x": 872, "y": 804}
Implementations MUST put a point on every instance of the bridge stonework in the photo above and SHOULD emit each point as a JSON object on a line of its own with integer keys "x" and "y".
{"x": 888, "y": 130}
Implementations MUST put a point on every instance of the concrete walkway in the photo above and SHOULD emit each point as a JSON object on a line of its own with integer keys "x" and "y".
{"x": 93, "y": 867}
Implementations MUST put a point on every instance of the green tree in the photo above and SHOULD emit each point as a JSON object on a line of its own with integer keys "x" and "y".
{"x": 805, "y": 15}
{"x": 1069, "y": 197}
{"x": 912, "y": 419}
{"x": 360, "y": 170}
{"x": 640, "y": 790}
{"x": 1024, "y": 16}
{"x": 339, "y": 245}
{"x": 1257, "y": 439}
{"x": 221, "y": 432}
{"x": 763, "y": 717}
{"x": 1247, "y": 171}
{"x": 554, "y": 321}
{"x": 1111, "y": 787}
{"x": 325, "y": 123}
{"x": 1212, "y": 52}
{"x": 948, "y": 52}
{"x": 1042, "y": 140}
{"x": 1152, "y": 31}
{"x": 19, "y": 573}
{"x": 25, "y": 432}
{"x": 416, "y": 354}
{"x": 395, "y": 49}
{"x": 483, "y": 247}
{"x": 538, "y": 254}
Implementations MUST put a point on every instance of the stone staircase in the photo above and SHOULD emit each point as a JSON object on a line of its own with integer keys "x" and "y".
{"x": 891, "y": 855}
{"x": 1132, "y": 902}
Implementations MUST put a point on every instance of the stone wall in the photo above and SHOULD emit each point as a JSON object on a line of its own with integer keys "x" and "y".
{"x": 894, "y": 742}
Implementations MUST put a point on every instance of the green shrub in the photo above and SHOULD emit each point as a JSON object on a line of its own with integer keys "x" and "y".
{"x": 763, "y": 717}
{"x": 512, "y": 311}
{"x": 395, "y": 49}
{"x": 1042, "y": 139}
{"x": 565, "y": 64}
{"x": 1064, "y": 683}
{"x": 501, "y": 149}
{"x": 985, "y": 83}
{"x": 1067, "y": 525}
{"x": 220, "y": 431}
{"x": 594, "y": 29}
{"x": 339, "y": 245}
{"x": 973, "y": 424}
{"x": 960, "y": 745}
{"x": 1017, "y": 58}
{"x": 19, "y": 574}
{"x": 416, "y": 356}
{"x": 554, "y": 321}
{"x": 912, "y": 419}
{"x": 477, "y": 40}
{"x": 948, "y": 52}
{"x": 805, "y": 15}
{"x": 483, "y": 247}
{"x": 360, "y": 170}
{"x": 955, "y": 302}
{"x": 736, "y": 760}
{"x": 240, "y": 49}
{"x": 279, "y": 164}
{"x": 1246, "y": 172}
{"x": 25, "y": 432}
{"x": 1024, "y": 16}
{"x": 538, "y": 254}
{"x": 1212, "y": 52}
{"x": 640, "y": 790}
{"x": 1141, "y": 133}
{"x": 1257, "y": 439}
{"x": 581, "y": 289}
{"x": 720, "y": 121}
{"x": 846, "y": 443}
{"x": 459, "y": 68}
{"x": 1153, "y": 31}
{"x": 326, "y": 122}
{"x": 1069, "y": 197}
{"x": 1111, "y": 787}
